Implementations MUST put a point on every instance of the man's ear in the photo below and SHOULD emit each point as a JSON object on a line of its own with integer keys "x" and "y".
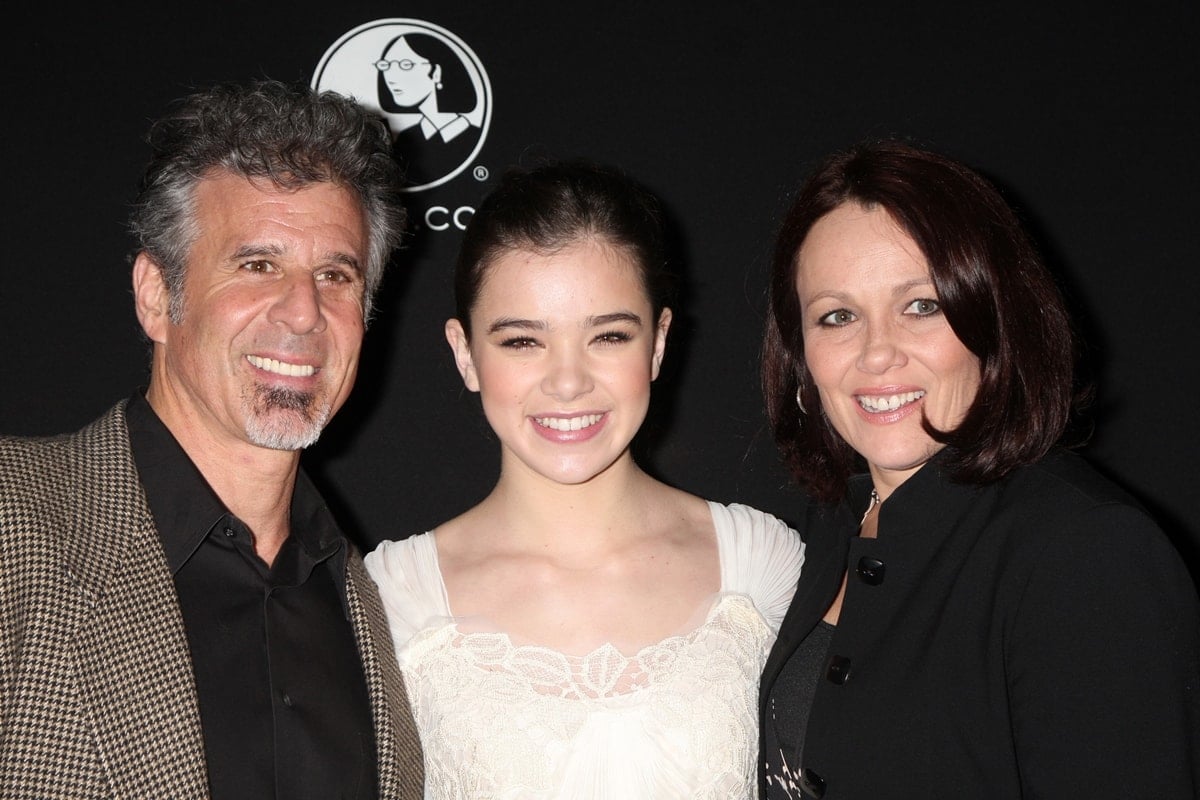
{"x": 461, "y": 347}
{"x": 660, "y": 342}
{"x": 151, "y": 298}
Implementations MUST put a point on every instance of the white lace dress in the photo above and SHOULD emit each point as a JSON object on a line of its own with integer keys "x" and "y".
{"x": 678, "y": 719}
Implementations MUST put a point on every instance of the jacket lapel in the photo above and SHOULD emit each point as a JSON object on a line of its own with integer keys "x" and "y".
{"x": 132, "y": 659}
{"x": 827, "y": 535}
{"x": 401, "y": 763}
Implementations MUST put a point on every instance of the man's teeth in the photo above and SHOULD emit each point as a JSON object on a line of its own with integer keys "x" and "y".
{"x": 282, "y": 367}
{"x": 572, "y": 424}
{"x": 888, "y": 402}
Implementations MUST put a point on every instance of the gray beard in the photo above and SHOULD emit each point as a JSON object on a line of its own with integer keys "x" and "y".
{"x": 283, "y": 419}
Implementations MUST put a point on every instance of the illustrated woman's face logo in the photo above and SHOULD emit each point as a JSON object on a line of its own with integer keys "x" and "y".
{"x": 425, "y": 83}
{"x": 410, "y": 77}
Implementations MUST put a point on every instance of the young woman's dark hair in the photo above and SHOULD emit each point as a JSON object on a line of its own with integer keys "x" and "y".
{"x": 997, "y": 295}
{"x": 552, "y": 206}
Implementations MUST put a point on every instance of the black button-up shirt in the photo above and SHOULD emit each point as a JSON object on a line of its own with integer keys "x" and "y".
{"x": 283, "y": 700}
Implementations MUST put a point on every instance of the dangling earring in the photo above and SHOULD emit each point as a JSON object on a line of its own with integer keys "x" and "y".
{"x": 438, "y": 85}
{"x": 800, "y": 402}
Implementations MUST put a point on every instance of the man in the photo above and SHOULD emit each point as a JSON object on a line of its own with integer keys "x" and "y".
{"x": 180, "y": 616}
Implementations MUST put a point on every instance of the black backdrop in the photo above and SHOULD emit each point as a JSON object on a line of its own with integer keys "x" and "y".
{"x": 1086, "y": 117}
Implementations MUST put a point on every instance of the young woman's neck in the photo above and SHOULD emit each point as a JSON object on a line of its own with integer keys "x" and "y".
{"x": 605, "y": 508}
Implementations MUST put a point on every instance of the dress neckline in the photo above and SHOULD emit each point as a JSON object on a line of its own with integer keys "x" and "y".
{"x": 696, "y": 621}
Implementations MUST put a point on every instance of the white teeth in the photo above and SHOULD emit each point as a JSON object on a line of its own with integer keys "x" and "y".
{"x": 876, "y": 405}
{"x": 572, "y": 424}
{"x": 282, "y": 367}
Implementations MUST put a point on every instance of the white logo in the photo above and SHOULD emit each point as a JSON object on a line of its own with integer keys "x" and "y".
{"x": 425, "y": 82}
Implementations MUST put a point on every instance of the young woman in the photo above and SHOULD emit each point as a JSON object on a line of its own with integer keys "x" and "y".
{"x": 586, "y": 631}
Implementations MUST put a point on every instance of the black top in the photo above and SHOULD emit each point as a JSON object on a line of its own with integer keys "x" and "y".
{"x": 787, "y": 714}
{"x": 1035, "y": 637}
{"x": 283, "y": 700}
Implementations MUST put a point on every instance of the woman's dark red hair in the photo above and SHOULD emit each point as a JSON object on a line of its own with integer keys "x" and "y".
{"x": 997, "y": 295}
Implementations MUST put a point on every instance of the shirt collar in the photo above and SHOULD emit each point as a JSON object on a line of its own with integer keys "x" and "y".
{"x": 185, "y": 508}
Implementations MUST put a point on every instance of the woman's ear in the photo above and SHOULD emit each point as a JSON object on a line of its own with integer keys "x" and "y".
{"x": 461, "y": 347}
{"x": 660, "y": 342}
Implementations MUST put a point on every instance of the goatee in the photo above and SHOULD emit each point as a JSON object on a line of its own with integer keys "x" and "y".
{"x": 284, "y": 419}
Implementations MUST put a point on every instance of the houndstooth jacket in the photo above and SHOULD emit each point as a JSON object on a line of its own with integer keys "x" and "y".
{"x": 97, "y": 698}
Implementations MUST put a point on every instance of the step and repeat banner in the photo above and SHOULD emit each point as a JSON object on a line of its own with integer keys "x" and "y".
{"x": 1087, "y": 119}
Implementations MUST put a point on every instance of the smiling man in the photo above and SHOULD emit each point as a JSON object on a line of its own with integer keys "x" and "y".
{"x": 181, "y": 615}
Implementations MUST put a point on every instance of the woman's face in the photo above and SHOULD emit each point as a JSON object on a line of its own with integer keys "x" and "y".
{"x": 879, "y": 349}
{"x": 563, "y": 350}
{"x": 408, "y": 75}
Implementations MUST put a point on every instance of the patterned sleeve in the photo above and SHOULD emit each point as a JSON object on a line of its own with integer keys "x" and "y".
{"x": 410, "y": 585}
{"x": 760, "y": 556}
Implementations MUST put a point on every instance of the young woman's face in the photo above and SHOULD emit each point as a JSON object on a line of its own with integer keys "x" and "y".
{"x": 882, "y": 354}
{"x": 563, "y": 350}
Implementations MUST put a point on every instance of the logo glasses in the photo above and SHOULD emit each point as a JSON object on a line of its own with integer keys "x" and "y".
{"x": 404, "y": 65}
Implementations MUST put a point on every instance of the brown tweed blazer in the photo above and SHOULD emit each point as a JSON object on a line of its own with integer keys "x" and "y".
{"x": 96, "y": 692}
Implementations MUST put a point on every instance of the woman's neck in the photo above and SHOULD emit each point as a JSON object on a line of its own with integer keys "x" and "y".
{"x": 603, "y": 509}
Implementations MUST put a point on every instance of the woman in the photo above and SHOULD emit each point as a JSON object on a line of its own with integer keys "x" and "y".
{"x": 410, "y": 84}
{"x": 433, "y": 105}
{"x": 982, "y": 615}
{"x": 586, "y": 631}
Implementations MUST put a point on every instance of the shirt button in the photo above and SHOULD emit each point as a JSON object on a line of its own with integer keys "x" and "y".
{"x": 229, "y": 531}
{"x": 870, "y": 570}
{"x": 839, "y": 670}
{"x": 287, "y": 699}
{"x": 812, "y": 783}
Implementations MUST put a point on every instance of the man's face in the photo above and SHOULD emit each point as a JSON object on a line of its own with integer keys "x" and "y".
{"x": 267, "y": 347}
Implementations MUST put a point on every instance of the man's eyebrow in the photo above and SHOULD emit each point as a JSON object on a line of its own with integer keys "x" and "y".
{"x": 345, "y": 259}
{"x": 256, "y": 249}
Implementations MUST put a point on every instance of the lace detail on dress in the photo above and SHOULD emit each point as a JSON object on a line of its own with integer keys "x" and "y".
{"x": 677, "y": 719}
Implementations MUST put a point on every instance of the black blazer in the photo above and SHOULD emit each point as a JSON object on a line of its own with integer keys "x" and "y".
{"x": 1035, "y": 638}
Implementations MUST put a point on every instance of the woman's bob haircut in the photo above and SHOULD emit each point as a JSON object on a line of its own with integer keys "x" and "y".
{"x": 997, "y": 294}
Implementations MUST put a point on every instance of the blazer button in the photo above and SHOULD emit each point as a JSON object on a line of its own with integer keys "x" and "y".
{"x": 812, "y": 783}
{"x": 839, "y": 670}
{"x": 870, "y": 570}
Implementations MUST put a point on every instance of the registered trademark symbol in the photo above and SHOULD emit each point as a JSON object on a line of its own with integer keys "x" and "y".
{"x": 480, "y": 173}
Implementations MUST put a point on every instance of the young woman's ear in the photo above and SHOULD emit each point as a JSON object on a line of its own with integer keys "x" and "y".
{"x": 461, "y": 347}
{"x": 660, "y": 342}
